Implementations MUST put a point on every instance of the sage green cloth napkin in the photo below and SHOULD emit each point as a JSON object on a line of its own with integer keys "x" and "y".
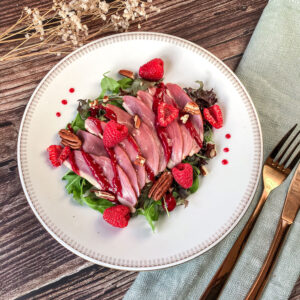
{"x": 270, "y": 70}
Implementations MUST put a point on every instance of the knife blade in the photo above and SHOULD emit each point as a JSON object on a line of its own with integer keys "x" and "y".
{"x": 292, "y": 201}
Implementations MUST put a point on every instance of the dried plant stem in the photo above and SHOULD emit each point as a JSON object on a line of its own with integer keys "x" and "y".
{"x": 66, "y": 24}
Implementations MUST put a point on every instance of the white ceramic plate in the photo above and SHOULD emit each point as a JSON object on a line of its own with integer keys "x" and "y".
{"x": 213, "y": 211}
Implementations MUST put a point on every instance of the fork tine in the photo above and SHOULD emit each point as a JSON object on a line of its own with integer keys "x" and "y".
{"x": 287, "y": 147}
{"x": 280, "y": 144}
{"x": 294, "y": 161}
{"x": 290, "y": 155}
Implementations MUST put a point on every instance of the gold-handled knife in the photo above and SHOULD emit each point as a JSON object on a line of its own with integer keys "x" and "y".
{"x": 288, "y": 215}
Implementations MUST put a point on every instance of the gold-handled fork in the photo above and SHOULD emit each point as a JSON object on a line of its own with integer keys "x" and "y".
{"x": 274, "y": 173}
{"x": 289, "y": 212}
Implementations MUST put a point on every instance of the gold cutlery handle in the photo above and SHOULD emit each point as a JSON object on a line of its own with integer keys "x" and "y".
{"x": 217, "y": 283}
{"x": 266, "y": 270}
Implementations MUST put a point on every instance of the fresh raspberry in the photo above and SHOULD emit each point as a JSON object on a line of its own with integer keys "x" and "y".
{"x": 166, "y": 114}
{"x": 183, "y": 175}
{"x": 170, "y": 201}
{"x": 117, "y": 216}
{"x": 152, "y": 70}
{"x": 114, "y": 133}
{"x": 58, "y": 154}
{"x": 64, "y": 154}
{"x": 213, "y": 115}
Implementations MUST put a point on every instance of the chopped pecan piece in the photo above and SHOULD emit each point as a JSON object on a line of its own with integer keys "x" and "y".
{"x": 161, "y": 186}
{"x": 127, "y": 73}
{"x": 137, "y": 122}
{"x": 105, "y": 99}
{"x": 184, "y": 118}
{"x": 70, "y": 139}
{"x": 203, "y": 170}
{"x": 93, "y": 103}
{"x": 192, "y": 108}
{"x": 140, "y": 160}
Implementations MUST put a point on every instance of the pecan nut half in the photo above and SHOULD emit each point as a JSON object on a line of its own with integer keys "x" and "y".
{"x": 127, "y": 73}
{"x": 161, "y": 186}
{"x": 70, "y": 139}
{"x": 105, "y": 195}
{"x": 210, "y": 150}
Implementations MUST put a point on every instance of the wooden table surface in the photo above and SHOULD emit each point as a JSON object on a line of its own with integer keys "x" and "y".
{"x": 32, "y": 264}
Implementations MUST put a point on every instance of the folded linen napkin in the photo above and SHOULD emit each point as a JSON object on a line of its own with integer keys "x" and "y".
{"x": 270, "y": 70}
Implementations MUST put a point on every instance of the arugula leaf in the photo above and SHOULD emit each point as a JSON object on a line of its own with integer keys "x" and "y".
{"x": 109, "y": 84}
{"x": 78, "y": 123}
{"x": 76, "y": 185}
{"x": 125, "y": 83}
{"x": 151, "y": 213}
{"x": 98, "y": 204}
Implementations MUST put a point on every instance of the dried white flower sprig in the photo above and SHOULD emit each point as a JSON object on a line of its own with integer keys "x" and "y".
{"x": 69, "y": 24}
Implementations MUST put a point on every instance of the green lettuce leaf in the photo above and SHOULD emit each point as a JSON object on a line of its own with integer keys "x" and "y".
{"x": 80, "y": 187}
{"x": 76, "y": 185}
{"x": 78, "y": 123}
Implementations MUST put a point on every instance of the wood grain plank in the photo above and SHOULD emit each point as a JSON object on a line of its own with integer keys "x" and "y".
{"x": 32, "y": 264}
{"x": 102, "y": 283}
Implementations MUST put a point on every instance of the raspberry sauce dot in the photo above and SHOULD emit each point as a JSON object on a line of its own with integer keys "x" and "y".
{"x": 228, "y": 136}
{"x": 58, "y": 114}
{"x": 226, "y": 149}
{"x": 64, "y": 102}
{"x": 71, "y": 90}
{"x": 224, "y": 161}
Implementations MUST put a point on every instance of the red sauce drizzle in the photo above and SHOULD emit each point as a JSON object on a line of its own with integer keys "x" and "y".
{"x": 73, "y": 163}
{"x": 161, "y": 131}
{"x": 58, "y": 114}
{"x": 189, "y": 125}
{"x": 71, "y": 90}
{"x": 226, "y": 149}
{"x": 117, "y": 187}
{"x": 70, "y": 128}
{"x": 224, "y": 161}
{"x": 64, "y": 102}
{"x": 97, "y": 123}
{"x": 149, "y": 172}
{"x": 97, "y": 171}
{"x": 163, "y": 136}
{"x": 157, "y": 99}
{"x": 228, "y": 136}
{"x": 132, "y": 141}
{"x": 109, "y": 114}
